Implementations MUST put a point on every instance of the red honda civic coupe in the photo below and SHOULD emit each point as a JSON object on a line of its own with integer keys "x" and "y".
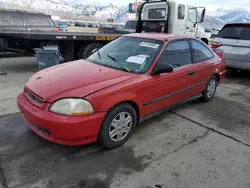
{"x": 120, "y": 85}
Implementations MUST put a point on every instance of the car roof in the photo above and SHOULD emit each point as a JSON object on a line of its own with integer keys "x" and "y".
{"x": 158, "y": 36}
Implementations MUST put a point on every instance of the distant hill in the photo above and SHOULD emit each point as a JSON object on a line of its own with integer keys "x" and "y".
{"x": 59, "y": 7}
{"x": 241, "y": 15}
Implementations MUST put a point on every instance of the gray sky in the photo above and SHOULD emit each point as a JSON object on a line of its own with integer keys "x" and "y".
{"x": 211, "y": 5}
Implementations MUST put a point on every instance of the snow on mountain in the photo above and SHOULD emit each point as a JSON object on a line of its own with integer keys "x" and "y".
{"x": 59, "y": 7}
{"x": 239, "y": 15}
{"x": 213, "y": 22}
{"x": 47, "y": 6}
{"x": 216, "y": 18}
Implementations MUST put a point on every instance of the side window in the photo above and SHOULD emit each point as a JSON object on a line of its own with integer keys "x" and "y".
{"x": 200, "y": 51}
{"x": 177, "y": 54}
{"x": 37, "y": 20}
{"x": 181, "y": 12}
{"x": 192, "y": 15}
{"x": 10, "y": 19}
{"x": 157, "y": 13}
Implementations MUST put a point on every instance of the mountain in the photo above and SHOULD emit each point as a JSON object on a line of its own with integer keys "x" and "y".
{"x": 213, "y": 22}
{"x": 59, "y": 7}
{"x": 99, "y": 12}
{"x": 46, "y": 6}
{"x": 239, "y": 15}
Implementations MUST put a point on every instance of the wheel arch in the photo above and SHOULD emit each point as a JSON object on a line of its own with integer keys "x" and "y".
{"x": 130, "y": 102}
{"x": 217, "y": 76}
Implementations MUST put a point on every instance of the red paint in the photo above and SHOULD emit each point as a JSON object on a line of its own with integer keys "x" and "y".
{"x": 104, "y": 88}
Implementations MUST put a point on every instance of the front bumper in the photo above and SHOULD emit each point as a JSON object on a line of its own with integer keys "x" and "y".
{"x": 66, "y": 130}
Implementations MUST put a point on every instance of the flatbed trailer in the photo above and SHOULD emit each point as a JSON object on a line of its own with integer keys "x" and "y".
{"x": 72, "y": 45}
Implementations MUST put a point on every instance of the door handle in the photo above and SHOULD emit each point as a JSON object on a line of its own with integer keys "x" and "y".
{"x": 187, "y": 27}
{"x": 191, "y": 73}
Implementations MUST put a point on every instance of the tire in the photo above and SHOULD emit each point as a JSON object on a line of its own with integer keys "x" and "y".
{"x": 207, "y": 94}
{"x": 86, "y": 51}
{"x": 105, "y": 138}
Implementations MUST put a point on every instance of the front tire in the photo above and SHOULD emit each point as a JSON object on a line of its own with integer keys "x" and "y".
{"x": 210, "y": 90}
{"x": 118, "y": 126}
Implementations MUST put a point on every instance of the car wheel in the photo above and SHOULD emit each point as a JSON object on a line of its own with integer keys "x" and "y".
{"x": 209, "y": 92}
{"x": 118, "y": 126}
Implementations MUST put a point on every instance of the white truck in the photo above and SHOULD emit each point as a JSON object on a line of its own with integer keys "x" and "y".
{"x": 171, "y": 17}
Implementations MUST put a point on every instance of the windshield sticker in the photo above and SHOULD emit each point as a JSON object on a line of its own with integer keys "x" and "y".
{"x": 149, "y": 45}
{"x": 139, "y": 59}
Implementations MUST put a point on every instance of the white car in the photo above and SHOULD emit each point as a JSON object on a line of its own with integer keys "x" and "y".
{"x": 235, "y": 39}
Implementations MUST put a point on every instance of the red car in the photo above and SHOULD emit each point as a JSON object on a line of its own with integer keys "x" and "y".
{"x": 127, "y": 81}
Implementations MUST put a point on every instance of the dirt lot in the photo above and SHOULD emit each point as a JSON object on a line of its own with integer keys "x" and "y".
{"x": 201, "y": 145}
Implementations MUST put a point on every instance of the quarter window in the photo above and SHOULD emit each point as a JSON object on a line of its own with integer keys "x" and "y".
{"x": 200, "y": 52}
{"x": 181, "y": 12}
{"x": 177, "y": 54}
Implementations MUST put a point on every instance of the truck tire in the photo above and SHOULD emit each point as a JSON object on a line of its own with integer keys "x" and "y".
{"x": 86, "y": 51}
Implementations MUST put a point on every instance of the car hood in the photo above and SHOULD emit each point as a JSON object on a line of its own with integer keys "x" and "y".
{"x": 75, "y": 79}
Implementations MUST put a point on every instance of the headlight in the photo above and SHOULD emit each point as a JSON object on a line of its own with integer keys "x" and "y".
{"x": 72, "y": 107}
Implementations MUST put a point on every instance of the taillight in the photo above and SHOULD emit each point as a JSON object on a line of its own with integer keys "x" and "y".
{"x": 216, "y": 45}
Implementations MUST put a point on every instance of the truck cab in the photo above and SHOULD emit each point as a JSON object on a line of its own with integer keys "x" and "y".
{"x": 170, "y": 17}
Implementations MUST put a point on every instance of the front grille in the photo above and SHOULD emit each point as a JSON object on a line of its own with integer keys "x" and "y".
{"x": 42, "y": 129}
{"x": 33, "y": 97}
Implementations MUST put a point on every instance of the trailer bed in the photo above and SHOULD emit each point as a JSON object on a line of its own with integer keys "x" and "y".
{"x": 59, "y": 35}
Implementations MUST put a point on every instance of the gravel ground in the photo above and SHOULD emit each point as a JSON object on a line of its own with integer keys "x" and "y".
{"x": 196, "y": 145}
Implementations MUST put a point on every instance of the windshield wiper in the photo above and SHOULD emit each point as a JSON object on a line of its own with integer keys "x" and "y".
{"x": 121, "y": 64}
{"x": 99, "y": 55}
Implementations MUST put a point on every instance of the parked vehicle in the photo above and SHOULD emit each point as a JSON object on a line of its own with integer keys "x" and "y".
{"x": 131, "y": 79}
{"x": 11, "y": 20}
{"x": 62, "y": 26}
{"x": 153, "y": 16}
{"x": 171, "y": 17}
{"x": 236, "y": 45}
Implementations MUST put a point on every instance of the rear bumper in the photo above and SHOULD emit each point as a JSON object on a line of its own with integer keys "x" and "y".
{"x": 238, "y": 64}
{"x": 222, "y": 75}
{"x": 66, "y": 130}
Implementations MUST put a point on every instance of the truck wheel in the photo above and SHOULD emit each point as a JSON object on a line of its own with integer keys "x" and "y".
{"x": 86, "y": 51}
{"x": 118, "y": 126}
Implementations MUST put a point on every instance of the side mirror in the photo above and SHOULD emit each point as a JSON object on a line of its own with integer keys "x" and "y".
{"x": 162, "y": 68}
{"x": 202, "y": 15}
{"x": 213, "y": 36}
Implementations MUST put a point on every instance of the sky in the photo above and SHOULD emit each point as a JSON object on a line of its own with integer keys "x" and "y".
{"x": 211, "y": 5}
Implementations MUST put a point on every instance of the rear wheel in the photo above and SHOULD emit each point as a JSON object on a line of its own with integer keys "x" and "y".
{"x": 210, "y": 90}
{"x": 118, "y": 126}
{"x": 86, "y": 51}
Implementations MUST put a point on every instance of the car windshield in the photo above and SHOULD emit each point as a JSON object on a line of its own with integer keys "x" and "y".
{"x": 128, "y": 54}
{"x": 235, "y": 31}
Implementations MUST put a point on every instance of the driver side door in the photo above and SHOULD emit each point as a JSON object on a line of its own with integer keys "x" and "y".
{"x": 190, "y": 22}
{"x": 167, "y": 89}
